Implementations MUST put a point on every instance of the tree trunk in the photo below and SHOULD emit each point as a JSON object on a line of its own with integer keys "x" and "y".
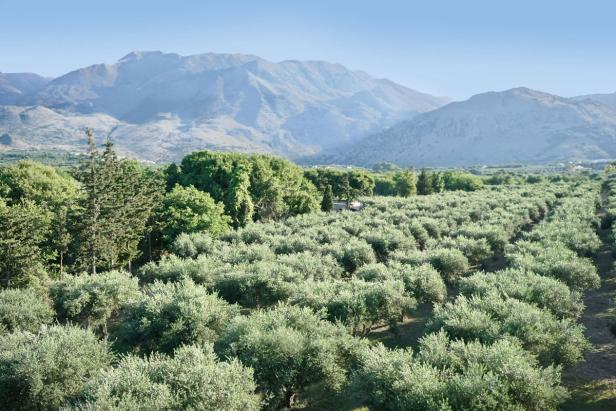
{"x": 61, "y": 265}
{"x": 7, "y": 278}
{"x": 150, "y": 246}
{"x": 290, "y": 398}
{"x": 93, "y": 262}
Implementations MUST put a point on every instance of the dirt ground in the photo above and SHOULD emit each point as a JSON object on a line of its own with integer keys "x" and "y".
{"x": 593, "y": 382}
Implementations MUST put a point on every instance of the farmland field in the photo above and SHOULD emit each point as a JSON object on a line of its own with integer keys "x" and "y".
{"x": 499, "y": 296}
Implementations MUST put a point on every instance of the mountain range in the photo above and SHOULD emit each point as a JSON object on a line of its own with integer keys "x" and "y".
{"x": 516, "y": 126}
{"x": 159, "y": 106}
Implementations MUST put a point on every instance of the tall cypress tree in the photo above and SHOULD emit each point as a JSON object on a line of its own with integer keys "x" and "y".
{"x": 113, "y": 222}
{"x": 239, "y": 200}
{"x": 89, "y": 228}
{"x": 327, "y": 204}
{"x": 120, "y": 198}
{"x": 140, "y": 192}
{"x": 424, "y": 183}
{"x": 438, "y": 183}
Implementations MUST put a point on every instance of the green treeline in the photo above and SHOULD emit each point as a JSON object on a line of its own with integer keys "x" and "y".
{"x": 351, "y": 184}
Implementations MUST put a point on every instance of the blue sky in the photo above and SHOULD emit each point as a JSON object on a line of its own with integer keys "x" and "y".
{"x": 454, "y": 48}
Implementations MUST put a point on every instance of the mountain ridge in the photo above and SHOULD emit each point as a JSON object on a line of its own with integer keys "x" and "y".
{"x": 518, "y": 125}
{"x": 292, "y": 108}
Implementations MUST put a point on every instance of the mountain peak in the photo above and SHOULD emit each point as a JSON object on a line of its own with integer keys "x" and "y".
{"x": 138, "y": 55}
{"x": 215, "y": 100}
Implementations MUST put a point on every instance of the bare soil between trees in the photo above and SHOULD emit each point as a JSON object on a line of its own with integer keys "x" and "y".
{"x": 593, "y": 382}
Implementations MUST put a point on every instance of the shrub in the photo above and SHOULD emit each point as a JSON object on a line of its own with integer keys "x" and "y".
{"x": 374, "y": 272}
{"x": 245, "y": 254}
{"x": 354, "y": 254}
{"x": 42, "y": 371}
{"x": 193, "y": 378}
{"x": 23, "y": 309}
{"x": 476, "y": 250}
{"x": 385, "y": 241}
{"x": 556, "y": 261}
{"x": 169, "y": 315}
{"x": 578, "y": 236}
{"x": 93, "y": 299}
{"x": 496, "y": 237}
{"x": 419, "y": 233}
{"x": 257, "y": 285}
{"x": 498, "y": 376}
{"x": 395, "y": 381}
{"x": 294, "y": 244}
{"x": 312, "y": 266}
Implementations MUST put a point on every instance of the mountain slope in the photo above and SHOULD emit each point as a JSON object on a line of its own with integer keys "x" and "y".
{"x": 230, "y": 101}
{"x": 608, "y": 99}
{"x": 16, "y": 88}
{"x": 513, "y": 126}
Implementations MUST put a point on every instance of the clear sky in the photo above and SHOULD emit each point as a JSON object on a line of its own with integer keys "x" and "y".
{"x": 454, "y": 48}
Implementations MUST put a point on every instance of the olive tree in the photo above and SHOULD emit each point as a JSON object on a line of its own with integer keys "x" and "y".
{"x": 491, "y": 318}
{"x": 167, "y": 315}
{"x": 193, "y": 378}
{"x": 289, "y": 348}
{"x": 458, "y": 375}
{"x": 24, "y": 309}
{"x": 92, "y": 300}
{"x": 42, "y": 371}
{"x": 358, "y": 304}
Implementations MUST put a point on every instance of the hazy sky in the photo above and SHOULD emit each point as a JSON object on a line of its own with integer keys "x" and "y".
{"x": 454, "y": 48}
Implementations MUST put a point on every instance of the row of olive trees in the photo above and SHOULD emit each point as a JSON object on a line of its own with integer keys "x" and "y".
{"x": 502, "y": 341}
{"x": 609, "y": 222}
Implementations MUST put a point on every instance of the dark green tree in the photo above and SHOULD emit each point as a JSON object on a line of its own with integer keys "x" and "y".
{"x": 55, "y": 192}
{"x": 90, "y": 228}
{"x": 405, "y": 183}
{"x": 119, "y": 198}
{"x": 188, "y": 210}
{"x": 384, "y": 185}
{"x": 24, "y": 228}
{"x": 424, "y": 183}
{"x": 327, "y": 204}
{"x": 438, "y": 183}
{"x": 239, "y": 201}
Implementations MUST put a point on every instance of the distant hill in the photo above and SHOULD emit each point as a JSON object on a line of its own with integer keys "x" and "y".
{"x": 509, "y": 127}
{"x": 159, "y": 106}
